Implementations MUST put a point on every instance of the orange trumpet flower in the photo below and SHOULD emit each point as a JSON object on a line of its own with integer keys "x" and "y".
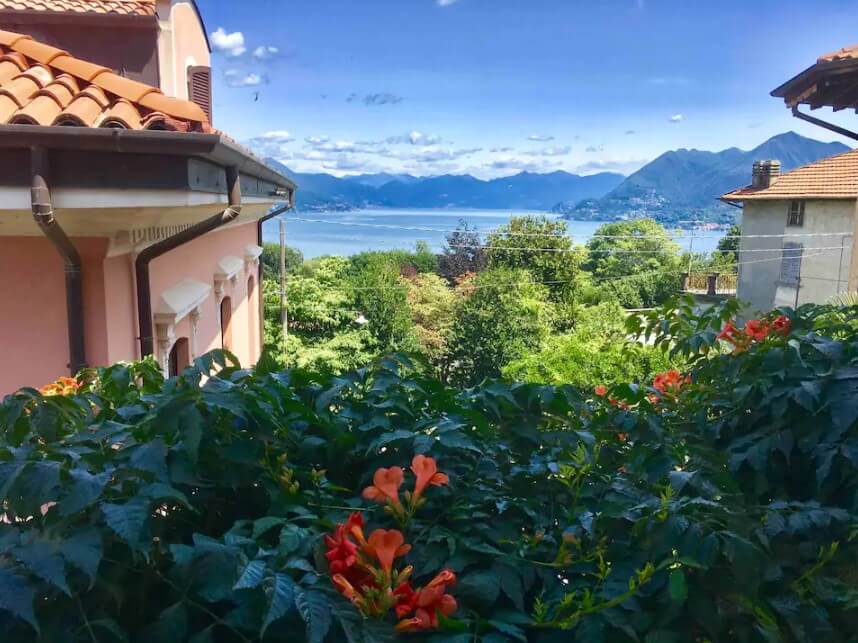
{"x": 387, "y": 545}
{"x": 426, "y": 470}
{"x": 385, "y": 486}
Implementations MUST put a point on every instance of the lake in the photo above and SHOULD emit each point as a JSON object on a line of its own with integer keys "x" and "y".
{"x": 379, "y": 229}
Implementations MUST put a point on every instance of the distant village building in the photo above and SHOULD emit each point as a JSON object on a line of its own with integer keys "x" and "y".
{"x": 797, "y": 232}
{"x": 799, "y": 229}
{"x": 129, "y": 226}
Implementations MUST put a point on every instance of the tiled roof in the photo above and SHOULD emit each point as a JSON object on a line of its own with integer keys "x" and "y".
{"x": 841, "y": 54}
{"x": 43, "y": 85}
{"x": 123, "y": 7}
{"x": 831, "y": 178}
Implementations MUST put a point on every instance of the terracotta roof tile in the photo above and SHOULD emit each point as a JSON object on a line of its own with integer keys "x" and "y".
{"x": 841, "y": 54}
{"x": 831, "y": 178}
{"x": 124, "y": 7}
{"x": 43, "y": 85}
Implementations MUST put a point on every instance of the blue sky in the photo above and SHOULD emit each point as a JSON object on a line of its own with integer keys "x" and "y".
{"x": 493, "y": 87}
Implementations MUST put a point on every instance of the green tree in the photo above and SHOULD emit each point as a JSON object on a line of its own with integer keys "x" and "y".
{"x": 463, "y": 253}
{"x": 636, "y": 262}
{"x": 419, "y": 261}
{"x": 432, "y": 305}
{"x": 503, "y": 316}
{"x": 381, "y": 298}
{"x": 728, "y": 247}
{"x": 596, "y": 352}
{"x": 541, "y": 246}
{"x": 271, "y": 258}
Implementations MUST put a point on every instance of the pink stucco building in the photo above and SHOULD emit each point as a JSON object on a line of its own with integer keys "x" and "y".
{"x": 129, "y": 226}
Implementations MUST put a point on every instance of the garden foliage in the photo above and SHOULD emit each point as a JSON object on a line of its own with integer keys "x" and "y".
{"x": 718, "y": 505}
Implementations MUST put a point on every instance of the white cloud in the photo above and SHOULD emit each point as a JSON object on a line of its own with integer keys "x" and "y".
{"x": 317, "y": 140}
{"x": 239, "y": 78}
{"x": 231, "y": 44}
{"x": 414, "y": 137}
{"x": 278, "y": 135}
{"x": 623, "y": 166}
{"x": 595, "y": 148}
{"x": 550, "y": 151}
{"x": 676, "y": 118}
{"x": 502, "y": 150}
{"x": 541, "y": 138}
{"x": 265, "y": 53}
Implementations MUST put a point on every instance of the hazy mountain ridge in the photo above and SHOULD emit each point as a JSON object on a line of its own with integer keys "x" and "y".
{"x": 685, "y": 184}
{"x": 522, "y": 191}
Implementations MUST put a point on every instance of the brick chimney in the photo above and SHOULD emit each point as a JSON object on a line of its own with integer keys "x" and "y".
{"x": 766, "y": 174}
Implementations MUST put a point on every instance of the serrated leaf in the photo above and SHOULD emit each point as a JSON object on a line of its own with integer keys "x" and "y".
{"x": 282, "y": 598}
{"x": 315, "y": 609}
{"x": 151, "y": 457}
{"x": 266, "y": 524}
{"x": 83, "y": 550}
{"x": 206, "y": 636}
{"x": 510, "y": 630}
{"x": 111, "y": 626}
{"x": 85, "y": 489}
{"x": 16, "y": 596}
{"x": 128, "y": 521}
{"x": 251, "y": 576}
{"x": 42, "y": 558}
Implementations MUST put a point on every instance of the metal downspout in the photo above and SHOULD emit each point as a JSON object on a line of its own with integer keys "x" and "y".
{"x": 147, "y": 255}
{"x": 43, "y": 214}
{"x": 261, "y": 275}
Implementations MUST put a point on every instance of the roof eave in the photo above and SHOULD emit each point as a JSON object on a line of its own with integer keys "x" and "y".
{"x": 213, "y": 147}
{"x": 23, "y": 16}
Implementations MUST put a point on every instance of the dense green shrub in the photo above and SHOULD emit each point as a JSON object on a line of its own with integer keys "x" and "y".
{"x": 188, "y": 510}
{"x": 597, "y": 351}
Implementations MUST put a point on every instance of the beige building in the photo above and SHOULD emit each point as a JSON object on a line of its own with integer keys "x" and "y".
{"x": 797, "y": 232}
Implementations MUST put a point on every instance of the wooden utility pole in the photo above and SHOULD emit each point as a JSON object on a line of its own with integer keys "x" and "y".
{"x": 284, "y": 313}
{"x": 853, "y": 265}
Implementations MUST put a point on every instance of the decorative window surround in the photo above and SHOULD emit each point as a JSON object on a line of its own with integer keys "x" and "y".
{"x": 227, "y": 270}
{"x": 182, "y": 300}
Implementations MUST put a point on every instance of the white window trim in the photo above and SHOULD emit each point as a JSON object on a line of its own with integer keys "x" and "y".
{"x": 180, "y": 301}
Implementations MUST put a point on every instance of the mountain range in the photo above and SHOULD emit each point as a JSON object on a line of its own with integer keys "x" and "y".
{"x": 685, "y": 184}
{"x": 678, "y": 185}
{"x": 524, "y": 191}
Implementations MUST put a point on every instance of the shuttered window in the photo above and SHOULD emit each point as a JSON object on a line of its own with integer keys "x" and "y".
{"x": 200, "y": 88}
{"x": 796, "y": 214}
{"x": 791, "y": 262}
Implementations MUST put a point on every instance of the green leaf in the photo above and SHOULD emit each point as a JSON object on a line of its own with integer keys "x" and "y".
{"x": 82, "y": 549}
{"x": 266, "y": 524}
{"x": 252, "y": 575}
{"x": 206, "y": 636}
{"x": 510, "y": 630}
{"x": 677, "y": 586}
{"x": 151, "y": 457}
{"x": 111, "y": 626}
{"x": 282, "y": 597}
{"x": 16, "y": 596}
{"x": 481, "y": 588}
{"x": 128, "y": 521}
{"x": 43, "y": 559}
{"x": 171, "y": 626}
{"x": 85, "y": 489}
{"x": 315, "y": 608}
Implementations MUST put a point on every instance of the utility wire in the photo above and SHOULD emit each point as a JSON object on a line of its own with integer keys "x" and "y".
{"x": 553, "y": 282}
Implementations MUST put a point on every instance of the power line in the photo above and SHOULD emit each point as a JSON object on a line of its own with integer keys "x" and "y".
{"x": 555, "y": 282}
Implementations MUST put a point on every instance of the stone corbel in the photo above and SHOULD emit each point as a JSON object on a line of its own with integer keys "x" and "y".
{"x": 226, "y": 272}
{"x": 252, "y": 254}
{"x": 182, "y": 300}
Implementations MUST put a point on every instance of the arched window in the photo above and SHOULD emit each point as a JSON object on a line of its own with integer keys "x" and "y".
{"x": 179, "y": 357}
{"x": 226, "y": 323}
{"x": 251, "y": 317}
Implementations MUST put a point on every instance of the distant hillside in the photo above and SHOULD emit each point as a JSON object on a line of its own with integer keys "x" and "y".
{"x": 685, "y": 184}
{"x": 522, "y": 191}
